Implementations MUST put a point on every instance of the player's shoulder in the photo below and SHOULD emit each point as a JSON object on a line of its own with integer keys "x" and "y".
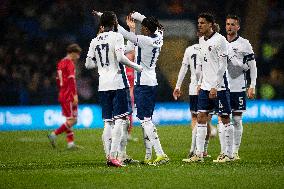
{"x": 64, "y": 62}
{"x": 194, "y": 47}
{"x": 220, "y": 38}
{"x": 244, "y": 41}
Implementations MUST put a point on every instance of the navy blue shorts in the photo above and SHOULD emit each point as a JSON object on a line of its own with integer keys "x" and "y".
{"x": 220, "y": 105}
{"x": 238, "y": 101}
{"x": 193, "y": 99}
{"x": 145, "y": 97}
{"x": 115, "y": 104}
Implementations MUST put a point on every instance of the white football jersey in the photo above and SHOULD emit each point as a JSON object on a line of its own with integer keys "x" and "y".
{"x": 103, "y": 49}
{"x": 244, "y": 53}
{"x": 147, "y": 52}
{"x": 214, "y": 55}
{"x": 191, "y": 59}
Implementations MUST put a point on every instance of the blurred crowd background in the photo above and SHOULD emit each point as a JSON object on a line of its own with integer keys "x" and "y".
{"x": 34, "y": 35}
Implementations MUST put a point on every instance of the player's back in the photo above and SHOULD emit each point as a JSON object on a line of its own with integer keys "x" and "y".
{"x": 191, "y": 59}
{"x": 111, "y": 72}
{"x": 148, "y": 51}
{"x": 65, "y": 71}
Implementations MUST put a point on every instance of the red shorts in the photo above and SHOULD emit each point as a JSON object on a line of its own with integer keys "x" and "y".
{"x": 69, "y": 110}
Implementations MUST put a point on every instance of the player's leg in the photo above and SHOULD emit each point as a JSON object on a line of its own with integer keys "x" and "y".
{"x": 148, "y": 147}
{"x": 239, "y": 102}
{"x": 207, "y": 138}
{"x": 201, "y": 127}
{"x": 106, "y": 136}
{"x": 224, "y": 110}
{"x": 238, "y": 132}
{"x": 193, "y": 109}
{"x": 121, "y": 109}
{"x": 221, "y": 133}
{"x": 145, "y": 102}
{"x": 71, "y": 119}
{"x": 193, "y": 135}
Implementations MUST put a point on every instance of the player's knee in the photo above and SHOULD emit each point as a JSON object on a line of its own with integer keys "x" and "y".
{"x": 237, "y": 121}
{"x": 202, "y": 117}
{"x": 71, "y": 122}
{"x": 225, "y": 119}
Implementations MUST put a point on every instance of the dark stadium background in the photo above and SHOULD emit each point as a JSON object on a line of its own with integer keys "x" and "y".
{"x": 34, "y": 34}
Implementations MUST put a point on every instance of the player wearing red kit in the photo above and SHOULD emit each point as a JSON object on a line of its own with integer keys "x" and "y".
{"x": 130, "y": 77}
{"x": 67, "y": 97}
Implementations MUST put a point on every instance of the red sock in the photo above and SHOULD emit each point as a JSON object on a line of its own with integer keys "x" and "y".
{"x": 69, "y": 135}
{"x": 130, "y": 125}
{"x": 61, "y": 129}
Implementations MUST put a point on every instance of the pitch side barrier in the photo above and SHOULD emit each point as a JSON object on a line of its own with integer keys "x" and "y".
{"x": 49, "y": 117}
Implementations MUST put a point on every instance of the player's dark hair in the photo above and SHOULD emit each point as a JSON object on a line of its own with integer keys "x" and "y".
{"x": 234, "y": 17}
{"x": 152, "y": 24}
{"x": 208, "y": 17}
{"x": 109, "y": 21}
{"x": 73, "y": 48}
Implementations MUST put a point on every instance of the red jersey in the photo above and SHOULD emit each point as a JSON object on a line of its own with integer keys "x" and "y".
{"x": 65, "y": 78}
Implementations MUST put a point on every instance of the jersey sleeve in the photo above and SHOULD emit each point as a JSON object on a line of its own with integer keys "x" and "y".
{"x": 91, "y": 51}
{"x": 249, "y": 59}
{"x": 183, "y": 69}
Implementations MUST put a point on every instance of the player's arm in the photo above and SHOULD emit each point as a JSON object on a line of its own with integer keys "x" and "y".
{"x": 253, "y": 74}
{"x": 222, "y": 56}
{"x": 181, "y": 75}
{"x": 119, "y": 51}
{"x": 222, "y": 53}
{"x": 91, "y": 59}
{"x": 198, "y": 73}
{"x": 131, "y": 24}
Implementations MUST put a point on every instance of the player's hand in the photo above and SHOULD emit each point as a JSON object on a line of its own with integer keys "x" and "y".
{"x": 75, "y": 100}
{"x": 213, "y": 93}
{"x": 176, "y": 93}
{"x": 198, "y": 89}
{"x": 96, "y": 13}
{"x": 251, "y": 93}
{"x": 130, "y": 23}
{"x": 139, "y": 68}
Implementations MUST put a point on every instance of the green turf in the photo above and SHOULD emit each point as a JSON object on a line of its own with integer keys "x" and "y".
{"x": 28, "y": 161}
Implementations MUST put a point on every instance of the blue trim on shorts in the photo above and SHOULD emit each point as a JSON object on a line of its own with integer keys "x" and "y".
{"x": 220, "y": 105}
{"x": 115, "y": 103}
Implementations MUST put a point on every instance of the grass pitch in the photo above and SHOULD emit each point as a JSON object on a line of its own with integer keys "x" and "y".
{"x": 28, "y": 161}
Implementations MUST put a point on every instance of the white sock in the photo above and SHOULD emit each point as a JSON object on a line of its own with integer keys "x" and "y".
{"x": 200, "y": 138}
{"x": 193, "y": 139}
{"x": 152, "y": 134}
{"x": 124, "y": 135}
{"x": 238, "y": 132}
{"x": 106, "y": 137}
{"x": 148, "y": 145}
{"x": 116, "y": 138}
{"x": 221, "y": 132}
{"x": 229, "y": 139}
